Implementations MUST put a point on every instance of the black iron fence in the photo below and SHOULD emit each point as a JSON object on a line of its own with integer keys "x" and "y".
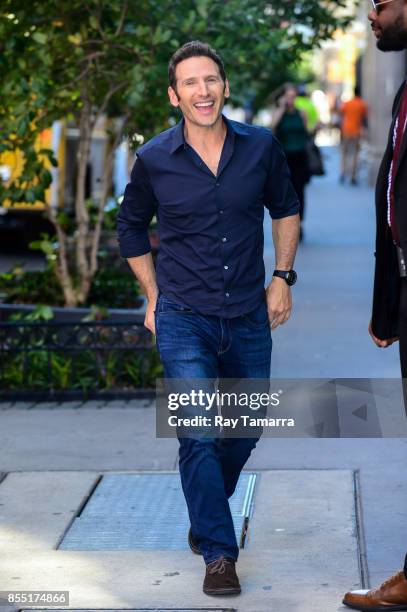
{"x": 60, "y": 360}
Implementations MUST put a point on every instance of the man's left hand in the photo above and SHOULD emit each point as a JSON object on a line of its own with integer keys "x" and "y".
{"x": 279, "y": 302}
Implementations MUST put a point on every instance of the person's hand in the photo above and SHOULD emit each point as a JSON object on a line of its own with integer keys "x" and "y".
{"x": 149, "y": 320}
{"x": 381, "y": 343}
{"x": 279, "y": 302}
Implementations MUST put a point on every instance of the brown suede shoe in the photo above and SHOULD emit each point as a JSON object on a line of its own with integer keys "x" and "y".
{"x": 221, "y": 578}
{"x": 192, "y": 544}
{"x": 390, "y": 596}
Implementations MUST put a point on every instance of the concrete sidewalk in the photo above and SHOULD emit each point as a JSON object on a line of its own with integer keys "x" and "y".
{"x": 281, "y": 545}
{"x": 328, "y": 514}
{"x": 304, "y": 522}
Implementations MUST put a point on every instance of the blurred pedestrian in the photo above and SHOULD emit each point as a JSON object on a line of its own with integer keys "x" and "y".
{"x": 354, "y": 120}
{"x": 289, "y": 126}
{"x": 389, "y": 317}
{"x": 304, "y": 103}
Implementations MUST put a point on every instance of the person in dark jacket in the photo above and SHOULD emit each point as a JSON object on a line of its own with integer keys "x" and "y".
{"x": 389, "y": 318}
{"x": 289, "y": 125}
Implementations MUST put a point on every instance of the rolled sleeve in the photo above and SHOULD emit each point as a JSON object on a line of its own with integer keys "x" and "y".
{"x": 136, "y": 211}
{"x": 280, "y": 197}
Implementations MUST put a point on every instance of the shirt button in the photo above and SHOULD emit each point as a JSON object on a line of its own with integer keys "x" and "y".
{"x": 217, "y": 184}
{"x": 227, "y": 294}
{"x": 221, "y": 212}
{"x": 226, "y": 267}
{"x": 223, "y": 239}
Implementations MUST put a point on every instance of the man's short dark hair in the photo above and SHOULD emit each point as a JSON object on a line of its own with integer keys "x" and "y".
{"x": 194, "y": 48}
{"x": 357, "y": 91}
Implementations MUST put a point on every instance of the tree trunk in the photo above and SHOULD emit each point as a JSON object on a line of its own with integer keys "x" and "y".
{"x": 76, "y": 277}
{"x": 81, "y": 212}
{"x": 62, "y": 271}
{"x": 61, "y": 267}
{"x": 106, "y": 189}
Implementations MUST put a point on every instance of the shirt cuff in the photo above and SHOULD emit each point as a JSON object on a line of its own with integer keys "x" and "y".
{"x": 142, "y": 247}
{"x": 292, "y": 210}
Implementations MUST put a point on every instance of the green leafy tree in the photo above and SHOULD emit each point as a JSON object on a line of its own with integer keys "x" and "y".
{"x": 89, "y": 59}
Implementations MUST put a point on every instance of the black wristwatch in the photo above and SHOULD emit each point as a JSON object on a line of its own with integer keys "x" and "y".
{"x": 289, "y": 276}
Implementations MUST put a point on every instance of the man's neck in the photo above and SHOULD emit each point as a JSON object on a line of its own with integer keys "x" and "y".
{"x": 205, "y": 137}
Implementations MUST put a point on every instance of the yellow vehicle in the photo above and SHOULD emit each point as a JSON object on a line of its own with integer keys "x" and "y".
{"x": 62, "y": 138}
{"x": 24, "y": 217}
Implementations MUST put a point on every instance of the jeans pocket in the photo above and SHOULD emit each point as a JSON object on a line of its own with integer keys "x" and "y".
{"x": 167, "y": 306}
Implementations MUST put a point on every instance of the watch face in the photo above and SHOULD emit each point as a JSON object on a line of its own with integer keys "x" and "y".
{"x": 291, "y": 277}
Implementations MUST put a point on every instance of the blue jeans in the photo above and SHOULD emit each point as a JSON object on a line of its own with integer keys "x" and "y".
{"x": 197, "y": 346}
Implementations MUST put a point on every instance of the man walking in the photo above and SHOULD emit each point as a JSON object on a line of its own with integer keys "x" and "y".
{"x": 354, "y": 119}
{"x": 208, "y": 180}
{"x": 389, "y": 318}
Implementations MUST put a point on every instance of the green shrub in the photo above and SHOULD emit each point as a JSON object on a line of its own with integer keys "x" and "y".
{"x": 83, "y": 370}
{"x": 87, "y": 367}
{"x": 111, "y": 288}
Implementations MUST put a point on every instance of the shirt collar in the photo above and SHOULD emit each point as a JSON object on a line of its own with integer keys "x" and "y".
{"x": 178, "y": 138}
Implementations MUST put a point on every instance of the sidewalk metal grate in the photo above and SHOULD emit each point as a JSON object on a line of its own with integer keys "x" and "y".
{"x": 145, "y": 512}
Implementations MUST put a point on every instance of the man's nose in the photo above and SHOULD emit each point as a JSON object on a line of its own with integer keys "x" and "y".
{"x": 203, "y": 88}
{"x": 372, "y": 15}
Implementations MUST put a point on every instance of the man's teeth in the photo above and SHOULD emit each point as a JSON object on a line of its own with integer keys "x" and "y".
{"x": 204, "y": 104}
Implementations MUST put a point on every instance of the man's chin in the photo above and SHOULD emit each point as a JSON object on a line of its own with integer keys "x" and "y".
{"x": 393, "y": 39}
{"x": 209, "y": 121}
{"x": 390, "y": 45}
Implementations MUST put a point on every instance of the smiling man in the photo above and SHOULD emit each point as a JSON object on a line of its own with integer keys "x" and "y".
{"x": 208, "y": 180}
{"x": 389, "y": 318}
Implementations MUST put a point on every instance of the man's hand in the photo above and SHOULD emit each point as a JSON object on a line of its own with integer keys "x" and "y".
{"x": 279, "y": 302}
{"x": 381, "y": 343}
{"x": 149, "y": 320}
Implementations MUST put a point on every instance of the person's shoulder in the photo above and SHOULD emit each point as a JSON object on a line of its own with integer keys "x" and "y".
{"x": 161, "y": 141}
{"x": 397, "y": 97}
{"x": 260, "y": 139}
{"x": 255, "y": 132}
{"x": 359, "y": 104}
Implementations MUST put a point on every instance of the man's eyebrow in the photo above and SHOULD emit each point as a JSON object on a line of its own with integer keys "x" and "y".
{"x": 207, "y": 76}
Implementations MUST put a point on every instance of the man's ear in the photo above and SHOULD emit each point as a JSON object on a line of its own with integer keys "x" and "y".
{"x": 227, "y": 90}
{"x": 173, "y": 97}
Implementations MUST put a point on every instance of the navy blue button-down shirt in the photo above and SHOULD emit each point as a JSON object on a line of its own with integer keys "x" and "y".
{"x": 210, "y": 227}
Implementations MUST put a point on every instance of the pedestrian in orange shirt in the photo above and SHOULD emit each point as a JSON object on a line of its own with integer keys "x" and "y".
{"x": 354, "y": 119}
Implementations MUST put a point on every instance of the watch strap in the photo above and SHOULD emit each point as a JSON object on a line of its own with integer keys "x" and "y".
{"x": 281, "y": 273}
